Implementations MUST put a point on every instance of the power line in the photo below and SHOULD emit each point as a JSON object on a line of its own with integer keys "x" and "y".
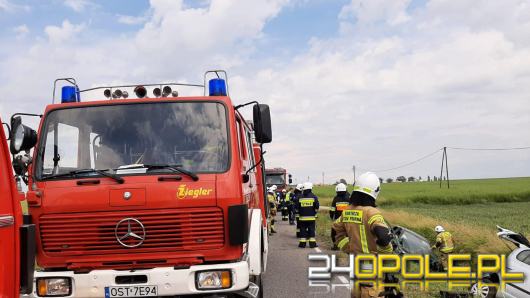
{"x": 409, "y": 163}
{"x": 489, "y": 149}
{"x": 453, "y": 148}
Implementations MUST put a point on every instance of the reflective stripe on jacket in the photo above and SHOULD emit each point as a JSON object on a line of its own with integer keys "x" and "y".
{"x": 354, "y": 230}
{"x": 307, "y": 206}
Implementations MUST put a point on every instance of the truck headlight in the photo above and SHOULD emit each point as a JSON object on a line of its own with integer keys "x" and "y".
{"x": 54, "y": 286}
{"x": 211, "y": 280}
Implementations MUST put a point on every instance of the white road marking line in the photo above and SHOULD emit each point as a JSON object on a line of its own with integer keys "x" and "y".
{"x": 343, "y": 279}
{"x": 318, "y": 250}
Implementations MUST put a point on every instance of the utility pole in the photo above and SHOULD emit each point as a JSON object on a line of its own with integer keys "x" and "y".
{"x": 322, "y": 178}
{"x": 353, "y": 168}
{"x": 444, "y": 159}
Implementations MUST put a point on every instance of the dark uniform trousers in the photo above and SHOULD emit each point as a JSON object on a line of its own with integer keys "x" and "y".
{"x": 307, "y": 231}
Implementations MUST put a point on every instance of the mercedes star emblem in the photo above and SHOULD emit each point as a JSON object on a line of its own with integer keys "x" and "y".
{"x": 130, "y": 238}
{"x": 127, "y": 195}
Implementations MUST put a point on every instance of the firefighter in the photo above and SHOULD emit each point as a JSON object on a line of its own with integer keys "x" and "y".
{"x": 444, "y": 243}
{"x": 283, "y": 204}
{"x": 290, "y": 208}
{"x": 272, "y": 212}
{"x": 297, "y": 193}
{"x": 307, "y": 208}
{"x": 340, "y": 202}
{"x": 361, "y": 229}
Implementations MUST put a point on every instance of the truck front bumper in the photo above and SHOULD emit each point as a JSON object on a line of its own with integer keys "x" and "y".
{"x": 169, "y": 281}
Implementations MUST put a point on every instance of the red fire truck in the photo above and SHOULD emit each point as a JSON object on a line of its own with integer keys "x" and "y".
{"x": 157, "y": 195}
{"x": 278, "y": 177}
{"x": 17, "y": 249}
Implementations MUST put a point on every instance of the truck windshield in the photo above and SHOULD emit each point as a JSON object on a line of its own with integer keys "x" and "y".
{"x": 277, "y": 179}
{"x": 191, "y": 134}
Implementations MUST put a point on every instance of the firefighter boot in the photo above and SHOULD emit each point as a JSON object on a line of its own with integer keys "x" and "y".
{"x": 302, "y": 243}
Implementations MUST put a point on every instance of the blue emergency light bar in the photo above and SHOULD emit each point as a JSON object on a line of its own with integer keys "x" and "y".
{"x": 70, "y": 94}
{"x": 217, "y": 87}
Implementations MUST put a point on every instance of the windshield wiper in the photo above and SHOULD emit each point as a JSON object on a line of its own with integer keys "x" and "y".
{"x": 174, "y": 168}
{"x": 77, "y": 173}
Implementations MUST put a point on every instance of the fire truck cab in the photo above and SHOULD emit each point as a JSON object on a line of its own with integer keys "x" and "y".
{"x": 158, "y": 195}
{"x": 278, "y": 177}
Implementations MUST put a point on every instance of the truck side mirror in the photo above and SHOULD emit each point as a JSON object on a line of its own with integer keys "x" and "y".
{"x": 290, "y": 179}
{"x": 21, "y": 137}
{"x": 262, "y": 123}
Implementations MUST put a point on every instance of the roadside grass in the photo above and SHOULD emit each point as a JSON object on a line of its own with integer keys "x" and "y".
{"x": 513, "y": 216}
{"x": 323, "y": 230}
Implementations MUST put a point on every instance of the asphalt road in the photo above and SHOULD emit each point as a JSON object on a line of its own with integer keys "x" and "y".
{"x": 287, "y": 268}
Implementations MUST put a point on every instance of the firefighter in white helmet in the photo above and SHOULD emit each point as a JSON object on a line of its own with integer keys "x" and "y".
{"x": 339, "y": 203}
{"x": 444, "y": 243}
{"x": 297, "y": 193}
{"x": 361, "y": 229}
{"x": 307, "y": 207}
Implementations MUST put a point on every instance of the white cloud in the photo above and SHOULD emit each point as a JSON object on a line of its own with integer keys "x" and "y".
{"x": 371, "y": 11}
{"x": 21, "y": 31}
{"x": 78, "y": 5}
{"x": 66, "y": 31}
{"x": 7, "y": 5}
{"x": 131, "y": 20}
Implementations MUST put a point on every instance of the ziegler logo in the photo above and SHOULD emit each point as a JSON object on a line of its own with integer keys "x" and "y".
{"x": 185, "y": 192}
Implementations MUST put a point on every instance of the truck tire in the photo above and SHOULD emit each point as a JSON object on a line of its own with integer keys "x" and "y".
{"x": 259, "y": 282}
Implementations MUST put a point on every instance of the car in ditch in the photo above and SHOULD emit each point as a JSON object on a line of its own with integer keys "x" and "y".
{"x": 517, "y": 261}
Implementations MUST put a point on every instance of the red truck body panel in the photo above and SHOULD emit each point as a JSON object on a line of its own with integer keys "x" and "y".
{"x": 10, "y": 221}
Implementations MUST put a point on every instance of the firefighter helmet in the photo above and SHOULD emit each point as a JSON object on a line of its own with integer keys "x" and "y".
{"x": 369, "y": 184}
{"x": 439, "y": 229}
{"x": 308, "y": 185}
{"x": 300, "y": 187}
{"x": 340, "y": 187}
{"x": 274, "y": 187}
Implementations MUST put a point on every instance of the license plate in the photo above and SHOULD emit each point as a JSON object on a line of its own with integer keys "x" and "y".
{"x": 131, "y": 291}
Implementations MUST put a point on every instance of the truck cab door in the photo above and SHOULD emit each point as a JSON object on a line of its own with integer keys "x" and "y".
{"x": 9, "y": 266}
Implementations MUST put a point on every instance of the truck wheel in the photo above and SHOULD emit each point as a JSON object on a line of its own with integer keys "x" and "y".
{"x": 258, "y": 281}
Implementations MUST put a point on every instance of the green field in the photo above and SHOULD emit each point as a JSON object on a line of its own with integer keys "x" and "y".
{"x": 470, "y": 209}
{"x": 461, "y": 192}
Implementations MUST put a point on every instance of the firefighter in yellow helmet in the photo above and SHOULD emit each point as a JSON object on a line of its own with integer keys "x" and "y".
{"x": 361, "y": 229}
{"x": 444, "y": 243}
{"x": 273, "y": 208}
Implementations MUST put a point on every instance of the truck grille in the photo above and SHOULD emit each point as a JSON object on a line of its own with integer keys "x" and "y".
{"x": 165, "y": 230}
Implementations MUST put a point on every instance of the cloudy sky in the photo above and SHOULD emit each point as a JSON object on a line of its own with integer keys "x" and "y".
{"x": 371, "y": 83}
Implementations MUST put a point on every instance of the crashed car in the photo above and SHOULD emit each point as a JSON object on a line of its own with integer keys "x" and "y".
{"x": 517, "y": 261}
{"x": 406, "y": 241}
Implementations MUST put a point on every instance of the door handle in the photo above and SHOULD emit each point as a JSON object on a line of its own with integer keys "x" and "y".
{"x": 6, "y": 220}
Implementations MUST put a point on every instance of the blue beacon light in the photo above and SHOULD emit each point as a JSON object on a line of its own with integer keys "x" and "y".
{"x": 70, "y": 94}
{"x": 217, "y": 87}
